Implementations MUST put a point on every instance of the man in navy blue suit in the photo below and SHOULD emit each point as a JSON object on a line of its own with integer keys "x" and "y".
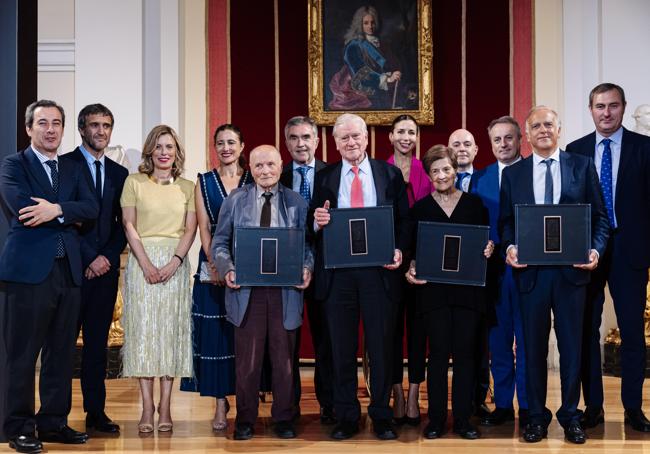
{"x": 45, "y": 200}
{"x": 101, "y": 245}
{"x": 622, "y": 159}
{"x": 508, "y": 374}
{"x": 551, "y": 176}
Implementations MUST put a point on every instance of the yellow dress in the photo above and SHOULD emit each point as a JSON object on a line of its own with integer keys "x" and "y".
{"x": 157, "y": 318}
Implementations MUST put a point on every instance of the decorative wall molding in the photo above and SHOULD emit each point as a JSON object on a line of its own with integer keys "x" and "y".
{"x": 56, "y": 55}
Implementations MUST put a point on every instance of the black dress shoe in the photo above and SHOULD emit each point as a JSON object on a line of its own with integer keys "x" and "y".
{"x": 433, "y": 430}
{"x": 466, "y": 430}
{"x": 384, "y": 430}
{"x": 498, "y": 417}
{"x": 574, "y": 433}
{"x": 327, "y": 417}
{"x": 534, "y": 433}
{"x": 481, "y": 411}
{"x": 637, "y": 420}
{"x": 592, "y": 417}
{"x": 25, "y": 443}
{"x": 99, "y": 422}
{"x": 344, "y": 430}
{"x": 284, "y": 429}
{"x": 66, "y": 435}
{"x": 523, "y": 417}
{"x": 243, "y": 431}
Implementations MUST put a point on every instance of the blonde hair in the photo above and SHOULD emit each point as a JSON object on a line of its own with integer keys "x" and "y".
{"x": 150, "y": 145}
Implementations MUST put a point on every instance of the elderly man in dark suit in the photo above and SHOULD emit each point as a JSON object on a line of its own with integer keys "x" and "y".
{"x": 367, "y": 293}
{"x": 101, "y": 245}
{"x": 301, "y": 138}
{"x": 551, "y": 176}
{"x": 45, "y": 200}
{"x": 622, "y": 159}
{"x": 262, "y": 314}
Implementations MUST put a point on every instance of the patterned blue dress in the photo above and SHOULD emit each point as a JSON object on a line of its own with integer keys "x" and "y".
{"x": 212, "y": 334}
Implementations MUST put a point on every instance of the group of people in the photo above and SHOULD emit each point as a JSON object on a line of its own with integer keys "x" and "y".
{"x": 72, "y": 215}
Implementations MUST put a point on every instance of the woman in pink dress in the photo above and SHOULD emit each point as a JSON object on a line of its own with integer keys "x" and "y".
{"x": 403, "y": 137}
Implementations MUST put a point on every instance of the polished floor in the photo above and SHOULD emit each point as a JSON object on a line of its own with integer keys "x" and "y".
{"x": 192, "y": 430}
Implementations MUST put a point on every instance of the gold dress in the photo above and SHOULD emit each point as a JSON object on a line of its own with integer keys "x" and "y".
{"x": 157, "y": 318}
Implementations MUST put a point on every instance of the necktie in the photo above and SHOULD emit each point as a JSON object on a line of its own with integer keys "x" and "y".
{"x": 606, "y": 180}
{"x": 98, "y": 179}
{"x": 54, "y": 173}
{"x": 548, "y": 186}
{"x": 356, "y": 191}
{"x": 459, "y": 180}
{"x": 304, "y": 183}
{"x": 265, "y": 217}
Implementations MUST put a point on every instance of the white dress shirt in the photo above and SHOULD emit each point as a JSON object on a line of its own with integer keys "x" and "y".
{"x": 367, "y": 184}
{"x": 539, "y": 177}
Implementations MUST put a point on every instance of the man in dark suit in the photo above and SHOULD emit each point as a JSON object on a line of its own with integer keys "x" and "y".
{"x": 508, "y": 374}
{"x": 551, "y": 176}
{"x": 45, "y": 200}
{"x": 367, "y": 293}
{"x": 101, "y": 245}
{"x": 301, "y": 138}
{"x": 622, "y": 159}
{"x": 262, "y": 315}
{"x": 463, "y": 143}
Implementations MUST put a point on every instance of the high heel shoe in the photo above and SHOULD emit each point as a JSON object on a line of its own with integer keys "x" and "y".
{"x": 221, "y": 425}
{"x": 164, "y": 426}
{"x": 411, "y": 421}
{"x": 145, "y": 427}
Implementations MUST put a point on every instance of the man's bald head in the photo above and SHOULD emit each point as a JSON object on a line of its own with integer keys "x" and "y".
{"x": 463, "y": 143}
{"x": 266, "y": 166}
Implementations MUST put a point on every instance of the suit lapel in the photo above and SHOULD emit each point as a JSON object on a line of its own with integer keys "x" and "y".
{"x": 333, "y": 183}
{"x": 380, "y": 178}
{"x": 36, "y": 170}
{"x": 567, "y": 176}
{"x": 627, "y": 150}
{"x": 528, "y": 183}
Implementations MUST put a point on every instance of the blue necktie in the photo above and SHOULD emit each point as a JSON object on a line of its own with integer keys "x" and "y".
{"x": 548, "y": 186}
{"x": 304, "y": 183}
{"x": 54, "y": 173}
{"x": 606, "y": 180}
{"x": 459, "y": 180}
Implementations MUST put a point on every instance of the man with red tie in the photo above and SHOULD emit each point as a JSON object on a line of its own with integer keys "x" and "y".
{"x": 369, "y": 294}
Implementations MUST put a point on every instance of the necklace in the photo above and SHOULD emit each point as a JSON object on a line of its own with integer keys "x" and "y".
{"x": 160, "y": 181}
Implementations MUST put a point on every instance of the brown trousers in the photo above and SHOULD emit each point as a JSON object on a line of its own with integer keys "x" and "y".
{"x": 263, "y": 320}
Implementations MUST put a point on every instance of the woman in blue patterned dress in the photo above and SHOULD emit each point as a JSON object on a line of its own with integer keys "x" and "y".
{"x": 214, "y": 365}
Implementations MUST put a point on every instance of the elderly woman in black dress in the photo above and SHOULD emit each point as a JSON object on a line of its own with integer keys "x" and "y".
{"x": 451, "y": 312}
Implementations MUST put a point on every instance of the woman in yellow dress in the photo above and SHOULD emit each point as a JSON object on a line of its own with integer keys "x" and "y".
{"x": 160, "y": 223}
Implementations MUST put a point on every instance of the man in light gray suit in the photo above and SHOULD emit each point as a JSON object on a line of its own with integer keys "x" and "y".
{"x": 262, "y": 313}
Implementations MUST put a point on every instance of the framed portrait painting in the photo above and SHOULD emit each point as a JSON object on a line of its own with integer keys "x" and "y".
{"x": 373, "y": 59}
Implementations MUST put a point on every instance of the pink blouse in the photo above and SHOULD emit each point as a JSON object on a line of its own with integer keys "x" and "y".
{"x": 419, "y": 184}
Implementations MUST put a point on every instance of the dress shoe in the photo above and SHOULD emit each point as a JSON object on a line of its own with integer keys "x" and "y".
{"x": 101, "y": 423}
{"x": 65, "y": 434}
{"x": 466, "y": 430}
{"x": 243, "y": 431}
{"x": 637, "y": 420}
{"x": 412, "y": 421}
{"x": 481, "y": 411}
{"x": 284, "y": 429}
{"x": 327, "y": 417}
{"x": 498, "y": 417}
{"x": 433, "y": 430}
{"x": 344, "y": 430}
{"x": 383, "y": 429}
{"x": 25, "y": 443}
{"x": 523, "y": 417}
{"x": 534, "y": 433}
{"x": 592, "y": 417}
{"x": 574, "y": 433}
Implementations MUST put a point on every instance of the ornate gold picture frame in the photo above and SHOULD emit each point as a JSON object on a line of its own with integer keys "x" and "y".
{"x": 374, "y": 61}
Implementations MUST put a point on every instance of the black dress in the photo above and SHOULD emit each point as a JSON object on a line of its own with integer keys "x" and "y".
{"x": 452, "y": 314}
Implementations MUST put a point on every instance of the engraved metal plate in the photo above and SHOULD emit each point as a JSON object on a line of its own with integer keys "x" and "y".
{"x": 358, "y": 237}
{"x": 451, "y": 253}
{"x": 553, "y": 234}
{"x": 268, "y": 256}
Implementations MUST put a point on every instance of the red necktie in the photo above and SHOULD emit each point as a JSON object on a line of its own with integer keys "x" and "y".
{"x": 356, "y": 191}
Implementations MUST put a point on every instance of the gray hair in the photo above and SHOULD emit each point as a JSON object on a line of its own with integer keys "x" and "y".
{"x": 543, "y": 107}
{"x": 355, "y": 31}
{"x": 349, "y": 118}
{"x": 300, "y": 120}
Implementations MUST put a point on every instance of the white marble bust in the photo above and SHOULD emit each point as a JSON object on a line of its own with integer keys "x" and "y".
{"x": 642, "y": 117}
